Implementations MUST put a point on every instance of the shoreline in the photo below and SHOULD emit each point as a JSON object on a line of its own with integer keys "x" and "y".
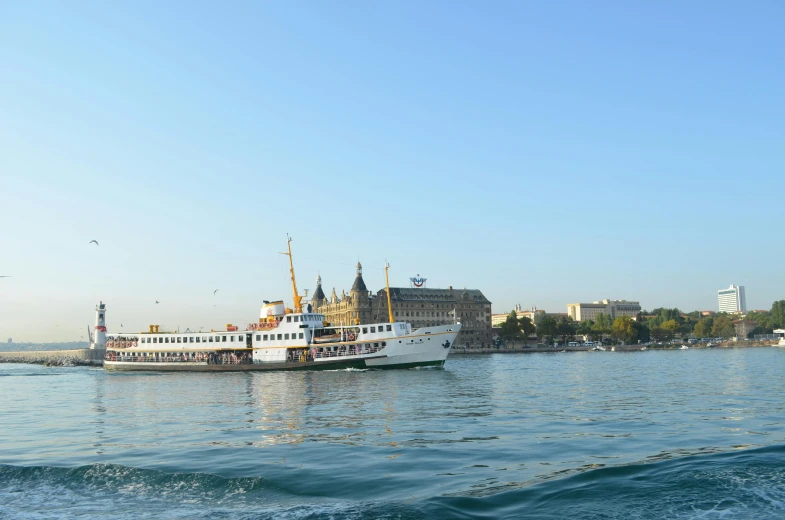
{"x": 519, "y": 349}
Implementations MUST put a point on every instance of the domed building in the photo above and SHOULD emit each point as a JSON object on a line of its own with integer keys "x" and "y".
{"x": 420, "y": 306}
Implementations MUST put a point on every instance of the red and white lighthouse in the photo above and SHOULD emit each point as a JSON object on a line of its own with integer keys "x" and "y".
{"x": 99, "y": 334}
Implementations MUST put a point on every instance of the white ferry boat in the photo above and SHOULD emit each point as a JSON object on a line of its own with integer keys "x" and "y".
{"x": 283, "y": 339}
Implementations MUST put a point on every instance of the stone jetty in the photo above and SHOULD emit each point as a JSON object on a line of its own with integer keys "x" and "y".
{"x": 76, "y": 357}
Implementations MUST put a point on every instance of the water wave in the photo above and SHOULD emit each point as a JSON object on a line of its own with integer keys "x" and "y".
{"x": 728, "y": 486}
{"x": 732, "y": 485}
{"x": 101, "y": 490}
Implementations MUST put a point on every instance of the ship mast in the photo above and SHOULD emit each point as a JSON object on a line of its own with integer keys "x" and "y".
{"x": 389, "y": 300}
{"x": 297, "y": 298}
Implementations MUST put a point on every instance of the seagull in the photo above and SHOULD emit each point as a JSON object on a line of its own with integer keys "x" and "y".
{"x": 156, "y": 301}
{"x": 96, "y": 242}
{"x": 121, "y": 324}
{"x": 215, "y": 291}
{"x": 6, "y": 276}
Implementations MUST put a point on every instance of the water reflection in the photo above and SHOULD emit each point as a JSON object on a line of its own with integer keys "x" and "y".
{"x": 364, "y": 408}
{"x": 98, "y": 417}
{"x": 736, "y": 374}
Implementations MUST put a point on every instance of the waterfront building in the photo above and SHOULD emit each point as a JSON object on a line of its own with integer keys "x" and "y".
{"x": 419, "y": 305}
{"x": 744, "y": 327}
{"x": 613, "y": 308}
{"x": 534, "y": 314}
{"x": 498, "y": 319}
{"x": 732, "y": 299}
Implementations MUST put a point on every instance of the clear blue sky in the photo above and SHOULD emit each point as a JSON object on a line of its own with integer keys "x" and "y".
{"x": 543, "y": 152}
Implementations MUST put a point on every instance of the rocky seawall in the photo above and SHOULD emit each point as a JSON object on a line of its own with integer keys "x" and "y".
{"x": 60, "y": 358}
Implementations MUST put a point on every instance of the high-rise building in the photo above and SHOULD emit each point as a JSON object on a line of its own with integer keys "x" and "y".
{"x": 732, "y": 299}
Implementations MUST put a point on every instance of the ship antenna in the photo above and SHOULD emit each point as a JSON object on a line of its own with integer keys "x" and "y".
{"x": 297, "y": 298}
{"x": 387, "y": 284}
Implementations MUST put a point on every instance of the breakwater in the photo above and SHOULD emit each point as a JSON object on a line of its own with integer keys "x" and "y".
{"x": 75, "y": 357}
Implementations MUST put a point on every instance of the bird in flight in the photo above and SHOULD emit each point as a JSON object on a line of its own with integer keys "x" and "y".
{"x": 121, "y": 324}
{"x": 96, "y": 242}
{"x": 215, "y": 291}
{"x": 156, "y": 301}
{"x": 6, "y": 276}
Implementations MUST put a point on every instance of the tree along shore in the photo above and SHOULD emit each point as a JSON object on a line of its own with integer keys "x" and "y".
{"x": 658, "y": 325}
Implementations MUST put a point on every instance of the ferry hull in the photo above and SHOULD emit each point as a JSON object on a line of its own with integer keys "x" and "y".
{"x": 256, "y": 367}
{"x": 121, "y": 366}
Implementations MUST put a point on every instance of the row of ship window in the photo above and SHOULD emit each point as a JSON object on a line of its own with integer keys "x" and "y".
{"x": 190, "y": 339}
{"x": 279, "y": 337}
{"x": 373, "y": 329}
{"x": 306, "y": 317}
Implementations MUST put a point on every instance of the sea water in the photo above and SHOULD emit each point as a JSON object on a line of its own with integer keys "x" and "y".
{"x": 655, "y": 434}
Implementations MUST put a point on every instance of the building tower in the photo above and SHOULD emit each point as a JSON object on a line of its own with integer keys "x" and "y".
{"x": 361, "y": 299}
{"x": 99, "y": 334}
{"x": 318, "y": 294}
{"x": 359, "y": 284}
